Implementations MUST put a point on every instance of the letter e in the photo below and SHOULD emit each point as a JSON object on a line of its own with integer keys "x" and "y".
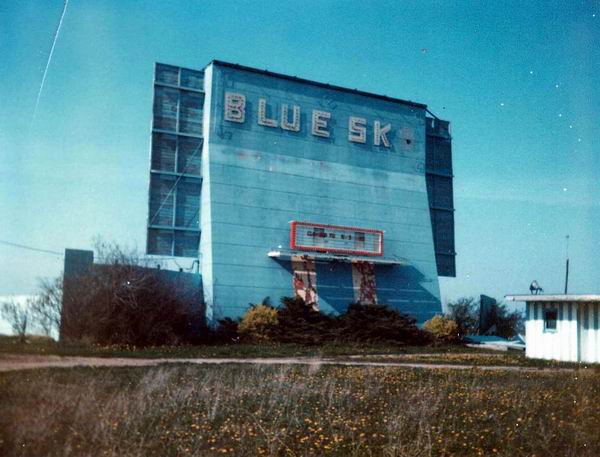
{"x": 319, "y": 123}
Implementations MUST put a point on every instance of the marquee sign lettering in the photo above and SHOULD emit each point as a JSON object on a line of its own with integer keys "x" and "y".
{"x": 308, "y": 236}
{"x": 289, "y": 119}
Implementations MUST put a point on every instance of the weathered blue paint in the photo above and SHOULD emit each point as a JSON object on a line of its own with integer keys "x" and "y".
{"x": 256, "y": 179}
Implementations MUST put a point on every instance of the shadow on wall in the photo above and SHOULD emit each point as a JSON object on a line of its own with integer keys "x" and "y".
{"x": 338, "y": 284}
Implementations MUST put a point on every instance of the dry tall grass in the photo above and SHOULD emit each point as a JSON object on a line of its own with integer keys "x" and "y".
{"x": 294, "y": 410}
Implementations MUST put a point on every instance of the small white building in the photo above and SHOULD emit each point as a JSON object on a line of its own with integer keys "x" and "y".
{"x": 562, "y": 327}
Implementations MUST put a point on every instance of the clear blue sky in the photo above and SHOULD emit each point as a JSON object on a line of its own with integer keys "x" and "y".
{"x": 519, "y": 81}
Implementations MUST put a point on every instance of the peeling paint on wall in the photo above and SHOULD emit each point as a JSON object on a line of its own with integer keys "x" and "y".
{"x": 305, "y": 280}
{"x": 363, "y": 281}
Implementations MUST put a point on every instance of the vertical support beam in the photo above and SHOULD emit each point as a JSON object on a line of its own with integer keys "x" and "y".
{"x": 567, "y": 278}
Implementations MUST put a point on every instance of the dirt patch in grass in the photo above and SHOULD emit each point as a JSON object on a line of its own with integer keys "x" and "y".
{"x": 15, "y": 362}
{"x": 297, "y": 410}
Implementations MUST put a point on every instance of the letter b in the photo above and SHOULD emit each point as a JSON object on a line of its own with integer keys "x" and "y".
{"x": 235, "y": 107}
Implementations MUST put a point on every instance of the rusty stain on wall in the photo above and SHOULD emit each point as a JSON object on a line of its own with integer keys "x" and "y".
{"x": 305, "y": 279}
{"x": 363, "y": 281}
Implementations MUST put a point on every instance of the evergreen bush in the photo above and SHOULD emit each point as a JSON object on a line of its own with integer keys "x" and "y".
{"x": 378, "y": 323}
{"x": 301, "y": 323}
{"x": 227, "y": 331}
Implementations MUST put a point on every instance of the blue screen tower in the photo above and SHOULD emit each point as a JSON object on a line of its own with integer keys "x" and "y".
{"x": 281, "y": 186}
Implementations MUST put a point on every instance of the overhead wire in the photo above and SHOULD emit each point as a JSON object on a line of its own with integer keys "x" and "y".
{"x": 60, "y": 254}
{"x": 31, "y": 248}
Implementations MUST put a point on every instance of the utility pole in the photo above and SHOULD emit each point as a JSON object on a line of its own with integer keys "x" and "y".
{"x": 567, "y": 269}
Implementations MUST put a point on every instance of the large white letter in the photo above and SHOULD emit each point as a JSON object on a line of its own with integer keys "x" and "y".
{"x": 235, "y": 107}
{"x": 319, "y": 123}
{"x": 380, "y": 132}
{"x": 294, "y": 126}
{"x": 262, "y": 114}
{"x": 357, "y": 130}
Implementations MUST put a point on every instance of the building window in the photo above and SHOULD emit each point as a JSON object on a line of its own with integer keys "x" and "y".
{"x": 550, "y": 318}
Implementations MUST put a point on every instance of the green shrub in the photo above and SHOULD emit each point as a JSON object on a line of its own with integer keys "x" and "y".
{"x": 122, "y": 301}
{"x": 378, "y": 323}
{"x": 300, "y": 323}
{"x": 443, "y": 329}
{"x": 465, "y": 312}
{"x": 259, "y": 323}
{"x": 227, "y": 331}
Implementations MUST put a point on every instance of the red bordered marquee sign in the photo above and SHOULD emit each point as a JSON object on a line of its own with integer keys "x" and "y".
{"x": 308, "y": 236}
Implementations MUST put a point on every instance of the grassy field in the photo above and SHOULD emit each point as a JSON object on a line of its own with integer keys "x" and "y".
{"x": 42, "y": 345}
{"x": 298, "y": 410}
{"x": 455, "y": 354}
{"x": 473, "y": 357}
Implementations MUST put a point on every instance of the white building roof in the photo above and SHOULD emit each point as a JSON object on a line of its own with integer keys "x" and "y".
{"x": 554, "y": 298}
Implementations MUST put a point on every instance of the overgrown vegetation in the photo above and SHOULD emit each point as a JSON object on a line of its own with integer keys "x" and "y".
{"x": 37, "y": 345}
{"x": 259, "y": 323}
{"x": 298, "y": 322}
{"x": 122, "y": 301}
{"x": 465, "y": 312}
{"x": 294, "y": 410}
{"x": 41, "y": 313}
{"x": 443, "y": 329}
{"x": 46, "y": 307}
{"x": 301, "y": 323}
{"x": 117, "y": 301}
{"x": 502, "y": 322}
{"x": 18, "y": 316}
{"x": 378, "y": 323}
